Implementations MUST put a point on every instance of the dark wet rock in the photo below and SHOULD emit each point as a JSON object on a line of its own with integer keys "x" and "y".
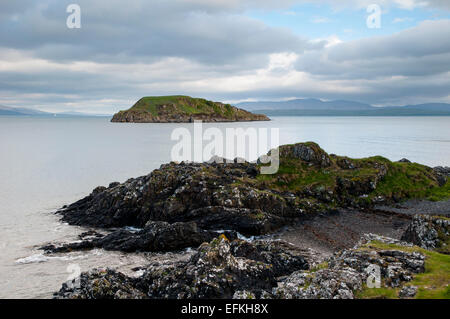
{"x": 155, "y": 236}
{"x": 404, "y": 160}
{"x": 252, "y": 171}
{"x": 202, "y": 193}
{"x": 243, "y": 220}
{"x": 216, "y": 271}
{"x": 90, "y": 235}
{"x": 100, "y": 284}
{"x": 428, "y": 232}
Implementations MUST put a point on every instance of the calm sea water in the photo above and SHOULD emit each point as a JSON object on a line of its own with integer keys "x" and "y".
{"x": 48, "y": 162}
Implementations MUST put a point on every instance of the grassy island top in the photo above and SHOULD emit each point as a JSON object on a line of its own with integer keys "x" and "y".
{"x": 181, "y": 108}
{"x": 182, "y": 104}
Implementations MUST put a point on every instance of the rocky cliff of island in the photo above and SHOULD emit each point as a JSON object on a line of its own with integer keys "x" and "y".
{"x": 183, "y": 109}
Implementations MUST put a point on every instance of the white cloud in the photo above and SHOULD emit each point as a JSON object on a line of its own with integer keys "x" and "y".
{"x": 401, "y": 20}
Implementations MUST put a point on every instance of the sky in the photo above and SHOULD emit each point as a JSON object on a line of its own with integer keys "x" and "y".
{"x": 223, "y": 50}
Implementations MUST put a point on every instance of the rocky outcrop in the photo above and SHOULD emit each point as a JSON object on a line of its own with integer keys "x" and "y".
{"x": 347, "y": 271}
{"x": 220, "y": 195}
{"x": 307, "y": 152}
{"x": 408, "y": 292}
{"x": 183, "y": 109}
{"x": 155, "y": 236}
{"x": 231, "y": 196}
{"x": 217, "y": 270}
{"x": 442, "y": 173}
{"x": 262, "y": 269}
{"x": 140, "y": 117}
{"x": 207, "y": 194}
{"x": 101, "y": 284}
{"x": 428, "y": 232}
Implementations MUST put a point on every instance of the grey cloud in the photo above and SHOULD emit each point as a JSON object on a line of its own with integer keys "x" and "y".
{"x": 423, "y": 50}
{"x": 144, "y": 30}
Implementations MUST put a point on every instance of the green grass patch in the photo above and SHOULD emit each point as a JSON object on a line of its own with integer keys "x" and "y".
{"x": 323, "y": 265}
{"x": 402, "y": 181}
{"x": 377, "y": 293}
{"x": 432, "y": 284}
{"x": 439, "y": 193}
{"x": 180, "y": 104}
{"x": 407, "y": 180}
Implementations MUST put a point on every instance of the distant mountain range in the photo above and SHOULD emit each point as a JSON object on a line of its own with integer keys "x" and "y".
{"x": 296, "y": 107}
{"x": 306, "y": 107}
{"x": 19, "y": 111}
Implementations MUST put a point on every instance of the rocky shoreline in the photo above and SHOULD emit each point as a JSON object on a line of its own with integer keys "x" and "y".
{"x": 264, "y": 269}
{"x": 261, "y": 235}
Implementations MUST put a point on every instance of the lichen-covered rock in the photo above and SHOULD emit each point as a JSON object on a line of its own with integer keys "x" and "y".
{"x": 442, "y": 173}
{"x": 322, "y": 284}
{"x": 262, "y": 269}
{"x": 309, "y": 152}
{"x": 283, "y": 257}
{"x": 428, "y": 232}
{"x": 100, "y": 284}
{"x": 243, "y": 294}
{"x": 407, "y": 292}
{"x": 348, "y": 270}
{"x": 217, "y": 270}
{"x": 345, "y": 163}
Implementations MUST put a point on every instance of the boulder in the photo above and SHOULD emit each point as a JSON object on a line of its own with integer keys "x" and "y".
{"x": 442, "y": 174}
{"x": 155, "y": 236}
{"x": 428, "y": 232}
{"x": 407, "y": 292}
{"x": 308, "y": 152}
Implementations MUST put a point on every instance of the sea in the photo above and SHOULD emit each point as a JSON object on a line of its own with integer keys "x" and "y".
{"x": 48, "y": 162}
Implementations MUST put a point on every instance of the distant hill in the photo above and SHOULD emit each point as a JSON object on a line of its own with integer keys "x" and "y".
{"x": 81, "y": 114}
{"x": 183, "y": 109}
{"x": 315, "y": 107}
{"x": 306, "y": 104}
{"x": 19, "y": 111}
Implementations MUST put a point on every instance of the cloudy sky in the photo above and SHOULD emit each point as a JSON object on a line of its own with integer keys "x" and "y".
{"x": 225, "y": 50}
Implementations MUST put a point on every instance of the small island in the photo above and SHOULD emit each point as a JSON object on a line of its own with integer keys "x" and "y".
{"x": 183, "y": 109}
